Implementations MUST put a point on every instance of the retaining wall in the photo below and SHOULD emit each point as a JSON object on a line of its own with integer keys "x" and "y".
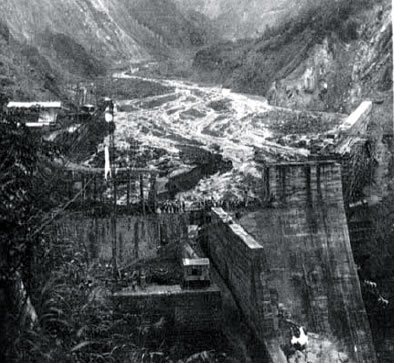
{"x": 183, "y": 310}
{"x": 137, "y": 236}
{"x": 241, "y": 262}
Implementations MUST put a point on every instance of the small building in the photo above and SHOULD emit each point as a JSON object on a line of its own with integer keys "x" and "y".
{"x": 88, "y": 108}
{"x": 195, "y": 272}
{"x": 35, "y": 114}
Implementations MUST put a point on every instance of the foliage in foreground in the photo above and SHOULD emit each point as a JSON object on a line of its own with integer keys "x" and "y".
{"x": 76, "y": 318}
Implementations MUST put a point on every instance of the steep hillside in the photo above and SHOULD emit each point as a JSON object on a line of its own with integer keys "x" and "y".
{"x": 113, "y": 30}
{"x": 328, "y": 58}
{"x": 65, "y": 53}
{"x": 243, "y": 18}
{"x": 88, "y": 22}
{"x": 173, "y": 27}
{"x": 48, "y": 45}
{"x": 24, "y": 73}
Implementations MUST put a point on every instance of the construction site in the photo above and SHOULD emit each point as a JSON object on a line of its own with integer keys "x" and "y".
{"x": 175, "y": 193}
{"x": 278, "y": 252}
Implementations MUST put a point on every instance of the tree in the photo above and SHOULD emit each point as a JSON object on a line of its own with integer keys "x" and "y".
{"x": 18, "y": 163}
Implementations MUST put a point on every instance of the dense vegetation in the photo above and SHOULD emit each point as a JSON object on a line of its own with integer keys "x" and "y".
{"x": 18, "y": 223}
{"x": 127, "y": 89}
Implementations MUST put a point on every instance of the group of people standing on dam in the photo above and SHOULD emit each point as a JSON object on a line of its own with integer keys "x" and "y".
{"x": 171, "y": 207}
{"x": 181, "y": 206}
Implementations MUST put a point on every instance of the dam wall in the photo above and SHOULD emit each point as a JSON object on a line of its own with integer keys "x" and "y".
{"x": 295, "y": 255}
{"x": 136, "y": 236}
{"x": 239, "y": 258}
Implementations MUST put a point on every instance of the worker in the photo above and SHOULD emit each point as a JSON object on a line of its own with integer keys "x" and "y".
{"x": 142, "y": 279}
{"x": 299, "y": 338}
{"x": 134, "y": 280}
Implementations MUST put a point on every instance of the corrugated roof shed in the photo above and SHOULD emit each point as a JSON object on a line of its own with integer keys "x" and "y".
{"x": 48, "y": 104}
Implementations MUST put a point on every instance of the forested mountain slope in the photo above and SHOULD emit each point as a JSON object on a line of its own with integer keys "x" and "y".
{"x": 328, "y": 58}
{"x": 244, "y": 18}
{"x": 48, "y": 43}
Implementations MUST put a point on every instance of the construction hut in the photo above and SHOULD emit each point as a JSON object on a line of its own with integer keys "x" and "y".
{"x": 195, "y": 272}
{"x": 35, "y": 114}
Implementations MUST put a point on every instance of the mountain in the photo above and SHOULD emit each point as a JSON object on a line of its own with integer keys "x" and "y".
{"x": 110, "y": 30}
{"x": 48, "y": 42}
{"x": 243, "y": 18}
{"x": 24, "y": 73}
{"x": 90, "y": 23}
{"x": 327, "y": 58}
{"x": 175, "y": 27}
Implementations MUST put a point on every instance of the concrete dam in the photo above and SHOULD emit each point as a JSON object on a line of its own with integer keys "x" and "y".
{"x": 287, "y": 263}
{"x": 295, "y": 255}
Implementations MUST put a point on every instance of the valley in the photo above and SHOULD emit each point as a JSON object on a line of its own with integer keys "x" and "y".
{"x": 217, "y": 180}
{"x": 212, "y": 120}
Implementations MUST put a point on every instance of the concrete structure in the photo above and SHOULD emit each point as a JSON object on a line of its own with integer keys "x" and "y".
{"x": 193, "y": 307}
{"x": 184, "y": 311}
{"x": 356, "y": 152}
{"x": 239, "y": 258}
{"x": 296, "y": 253}
{"x": 135, "y": 185}
{"x": 137, "y": 236}
{"x": 195, "y": 272}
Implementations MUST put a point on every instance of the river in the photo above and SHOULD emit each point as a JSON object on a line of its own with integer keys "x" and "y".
{"x": 199, "y": 115}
